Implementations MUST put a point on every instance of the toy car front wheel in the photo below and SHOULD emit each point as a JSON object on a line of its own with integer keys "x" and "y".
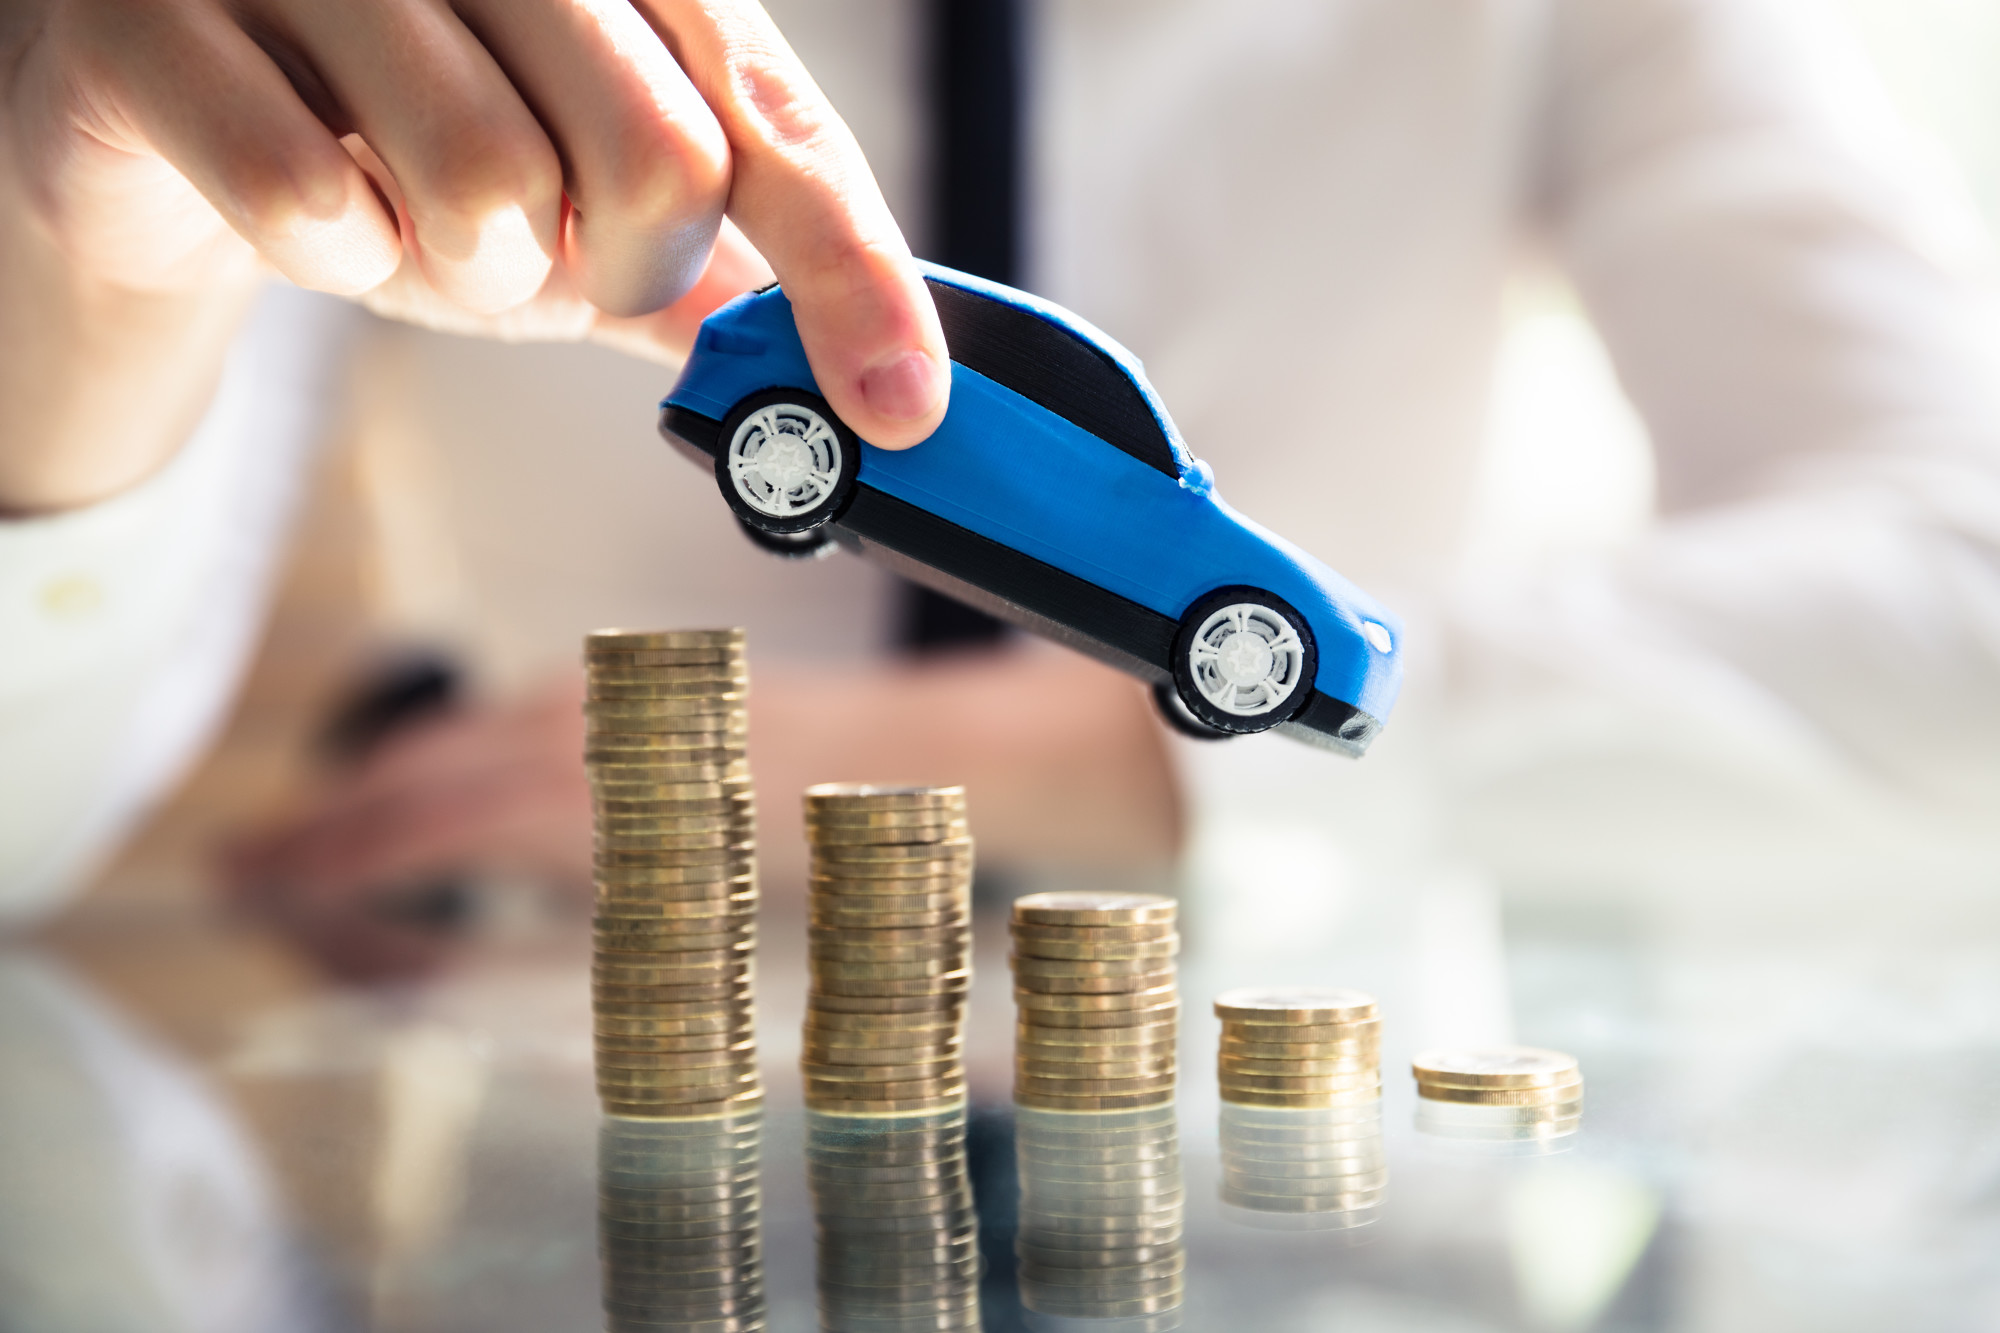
{"x": 787, "y": 463}
{"x": 1244, "y": 660}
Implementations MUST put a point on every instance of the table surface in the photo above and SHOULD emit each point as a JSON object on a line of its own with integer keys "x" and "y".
{"x": 1784, "y": 1128}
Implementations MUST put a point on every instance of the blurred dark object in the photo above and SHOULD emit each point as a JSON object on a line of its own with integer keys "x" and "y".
{"x": 996, "y": 1194}
{"x": 975, "y": 88}
{"x": 402, "y": 692}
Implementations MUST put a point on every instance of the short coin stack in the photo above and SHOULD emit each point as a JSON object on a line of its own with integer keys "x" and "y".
{"x": 676, "y": 885}
{"x": 890, "y": 945}
{"x": 898, "y": 1239}
{"x": 678, "y": 1224}
{"x": 1101, "y": 1214}
{"x": 1311, "y": 1168}
{"x": 1503, "y": 1093}
{"x": 1297, "y": 1048}
{"x": 1096, "y": 1001}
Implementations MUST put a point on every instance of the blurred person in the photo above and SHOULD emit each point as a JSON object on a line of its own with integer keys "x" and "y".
{"x": 1304, "y": 215}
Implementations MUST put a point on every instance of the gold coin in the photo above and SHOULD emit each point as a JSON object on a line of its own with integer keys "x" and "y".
{"x": 1100, "y": 1019}
{"x": 1074, "y": 968}
{"x": 720, "y": 688}
{"x": 661, "y": 714}
{"x": 841, "y": 920}
{"x": 1092, "y": 1087}
{"x": 717, "y": 794}
{"x": 1059, "y": 986}
{"x": 881, "y": 1057}
{"x": 1307, "y": 1004}
{"x": 947, "y": 1069}
{"x": 891, "y": 876}
{"x": 952, "y": 983}
{"x": 602, "y": 771}
{"x": 1064, "y": 1070}
{"x": 615, "y": 972}
{"x": 1550, "y": 1095}
{"x": 890, "y": 895}
{"x": 1080, "y": 952}
{"x": 857, "y": 796}
{"x": 1049, "y": 1102}
{"x": 1094, "y": 909}
{"x": 741, "y": 955}
{"x": 604, "y": 1006}
{"x": 1130, "y": 1000}
{"x": 618, "y": 840}
{"x": 663, "y": 659}
{"x": 642, "y": 876}
{"x": 1161, "y": 1031}
{"x": 719, "y": 1059}
{"x": 1301, "y": 1082}
{"x": 1329, "y": 1050}
{"x": 908, "y": 970}
{"x": 868, "y": 818}
{"x": 869, "y": 835}
{"x": 826, "y": 1025}
{"x": 1071, "y": 1060}
{"x": 1236, "y": 1065}
{"x": 884, "y": 853}
{"x": 742, "y": 826}
{"x": 630, "y": 640}
{"x": 942, "y": 936}
{"x": 952, "y": 1002}
{"x": 708, "y": 912}
{"x": 606, "y": 994}
{"x": 612, "y": 858}
{"x": 1153, "y": 933}
{"x": 1498, "y": 1067}
{"x": 739, "y": 1041}
{"x": 672, "y": 1077}
{"x": 945, "y": 945}
{"x": 909, "y": 1094}
{"x": 708, "y": 1020}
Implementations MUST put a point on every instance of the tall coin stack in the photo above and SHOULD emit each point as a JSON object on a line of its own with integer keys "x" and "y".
{"x": 1097, "y": 1006}
{"x": 1299, "y": 1048}
{"x": 1307, "y": 1169}
{"x": 678, "y": 1225}
{"x": 1508, "y": 1093}
{"x": 890, "y": 946}
{"x": 1102, "y": 1209}
{"x": 897, "y": 1234}
{"x": 676, "y": 920}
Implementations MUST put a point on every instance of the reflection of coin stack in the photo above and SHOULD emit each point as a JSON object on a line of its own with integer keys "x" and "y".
{"x": 1299, "y": 1048}
{"x": 898, "y": 1239}
{"x": 678, "y": 1225}
{"x": 1309, "y": 1168}
{"x": 1097, "y": 1006}
{"x": 1507, "y": 1093}
{"x": 676, "y": 887}
{"x": 890, "y": 946}
{"x": 1100, "y": 1221}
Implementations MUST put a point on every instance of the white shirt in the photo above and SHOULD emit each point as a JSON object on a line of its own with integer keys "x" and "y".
{"x": 1303, "y": 215}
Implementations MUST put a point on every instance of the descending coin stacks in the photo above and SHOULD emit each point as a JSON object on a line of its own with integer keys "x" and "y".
{"x": 1299, "y": 1048}
{"x": 1101, "y": 1217}
{"x": 890, "y": 948}
{"x": 678, "y": 1225}
{"x": 676, "y": 886}
{"x": 1506, "y": 1093}
{"x": 1304, "y": 1168}
{"x": 897, "y": 1236}
{"x": 1097, "y": 1007}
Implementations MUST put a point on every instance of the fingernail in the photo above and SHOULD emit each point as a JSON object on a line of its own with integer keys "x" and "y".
{"x": 903, "y": 388}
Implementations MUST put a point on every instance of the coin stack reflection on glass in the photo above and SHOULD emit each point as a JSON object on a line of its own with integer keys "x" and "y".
{"x": 675, "y": 929}
{"x": 1099, "y": 1236}
{"x": 897, "y": 1236}
{"x": 1506, "y": 1094}
{"x": 1304, "y": 1168}
{"x": 1096, "y": 1003}
{"x": 678, "y": 1225}
{"x": 890, "y": 946}
{"x": 1299, "y": 1048}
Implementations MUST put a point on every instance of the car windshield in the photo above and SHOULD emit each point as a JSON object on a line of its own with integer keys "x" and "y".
{"x": 1047, "y": 364}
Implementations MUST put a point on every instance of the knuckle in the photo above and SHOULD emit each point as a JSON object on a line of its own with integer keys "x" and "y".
{"x": 277, "y": 193}
{"x": 662, "y": 176}
{"x": 478, "y": 170}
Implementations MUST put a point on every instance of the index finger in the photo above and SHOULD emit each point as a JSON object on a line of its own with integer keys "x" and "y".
{"x": 803, "y": 194}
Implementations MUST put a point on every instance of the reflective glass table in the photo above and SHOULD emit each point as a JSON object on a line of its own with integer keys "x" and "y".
{"x": 1782, "y": 1129}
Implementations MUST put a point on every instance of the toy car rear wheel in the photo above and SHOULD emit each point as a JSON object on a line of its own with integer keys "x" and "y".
{"x": 1244, "y": 660}
{"x": 787, "y": 464}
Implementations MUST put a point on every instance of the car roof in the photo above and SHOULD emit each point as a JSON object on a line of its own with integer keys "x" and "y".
{"x": 1067, "y": 371}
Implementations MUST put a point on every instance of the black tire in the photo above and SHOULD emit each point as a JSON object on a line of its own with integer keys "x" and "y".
{"x": 1295, "y": 669}
{"x": 1167, "y": 699}
{"x": 757, "y": 501}
{"x": 816, "y": 544}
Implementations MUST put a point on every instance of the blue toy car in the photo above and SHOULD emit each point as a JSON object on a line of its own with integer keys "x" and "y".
{"x": 1057, "y": 495}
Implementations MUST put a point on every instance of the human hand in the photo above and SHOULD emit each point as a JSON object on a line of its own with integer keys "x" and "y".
{"x": 526, "y": 168}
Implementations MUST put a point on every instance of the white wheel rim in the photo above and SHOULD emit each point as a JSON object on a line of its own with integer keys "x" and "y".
{"x": 1247, "y": 659}
{"x": 784, "y": 460}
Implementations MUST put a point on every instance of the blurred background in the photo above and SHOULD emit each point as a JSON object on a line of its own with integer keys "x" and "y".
{"x": 1783, "y": 961}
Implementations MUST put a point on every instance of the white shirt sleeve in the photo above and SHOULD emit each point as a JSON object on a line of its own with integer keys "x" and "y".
{"x": 125, "y": 627}
{"x": 1795, "y": 304}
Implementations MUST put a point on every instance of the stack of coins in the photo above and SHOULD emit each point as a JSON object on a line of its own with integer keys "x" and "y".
{"x": 676, "y": 886}
{"x": 898, "y": 1239}
{"x": 1101, "y": 1217}
{"x": 678, "y": 1224}
{"x": 1097, "y": 1006}
{"x": 1299, "y": 1048}
{"x": 1310, "y": 1168}
{"x": 1505, "y": 1093}
{"x": 890, "y": 942}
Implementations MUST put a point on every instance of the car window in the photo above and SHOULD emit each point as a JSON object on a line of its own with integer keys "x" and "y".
{"x": 1049, "y": 365}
